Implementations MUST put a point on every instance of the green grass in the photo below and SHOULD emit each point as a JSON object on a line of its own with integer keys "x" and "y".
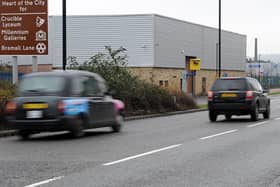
{"x": 275, "y": 93}
{"x": 203, "y": 106}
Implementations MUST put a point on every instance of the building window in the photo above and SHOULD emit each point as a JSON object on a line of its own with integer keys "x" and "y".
{"x": 160, "y": 83}
{"x": 166, "y": 83}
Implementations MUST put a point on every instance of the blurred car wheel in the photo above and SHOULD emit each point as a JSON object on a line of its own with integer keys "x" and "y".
{"x": 119, "y": 123}
{"x": 255, "y": 114}
{"x": 266, "y": 114}
{"x": 212, "y": 116}
{"x": 77, "y": 130}
{"x": 24, "y": 134}
{"x": 228, "y": 116}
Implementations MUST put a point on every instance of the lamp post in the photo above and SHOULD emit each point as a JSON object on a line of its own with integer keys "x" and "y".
{"x": 220, "y": 23}
{"x": 64, "y": 50}
{"x": 259, "y": 67}
{"x": 217, "y": 59}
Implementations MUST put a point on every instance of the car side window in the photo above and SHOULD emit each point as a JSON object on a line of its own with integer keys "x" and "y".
{"x": 253, "y": 84}
{"x": 259, "y": 86}
{"x": 92, "y": 88}
{"x": 256, "y": 85}
{"x": 78, "y": 88}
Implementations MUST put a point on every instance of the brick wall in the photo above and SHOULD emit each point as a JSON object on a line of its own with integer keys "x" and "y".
{"x": 28, "y": 68}
{"x": 168, "y": 78}
{"x": 171, "y": 78}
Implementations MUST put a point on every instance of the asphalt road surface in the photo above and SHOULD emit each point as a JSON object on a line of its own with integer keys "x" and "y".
{"x": 182, "y": 150}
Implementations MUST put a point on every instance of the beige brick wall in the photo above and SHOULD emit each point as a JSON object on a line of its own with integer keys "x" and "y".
{"x": 170, "y": 78}
{"x": 174, "y": 76}
{"x": 145, "y": 74}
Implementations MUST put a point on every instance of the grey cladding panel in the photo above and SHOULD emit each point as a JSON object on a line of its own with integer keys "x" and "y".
{"x": 176, "y": 39}
{"x": 88, "y": 35}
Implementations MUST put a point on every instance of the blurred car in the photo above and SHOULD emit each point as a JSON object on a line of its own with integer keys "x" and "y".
{"x": 238, "y": 96}
{"x": 63, "y": 100}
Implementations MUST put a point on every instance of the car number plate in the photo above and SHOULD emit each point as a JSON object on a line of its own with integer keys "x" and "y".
{"x": 34, "y": 114}
{"x": 35, "y": 106}
{"x": 229, "y": 95}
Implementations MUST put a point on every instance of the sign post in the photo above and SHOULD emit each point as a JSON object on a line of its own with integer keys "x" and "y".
{"x": 15, "y": 69}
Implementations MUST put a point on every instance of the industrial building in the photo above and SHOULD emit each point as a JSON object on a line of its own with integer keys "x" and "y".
{"x": 159, "y": 48}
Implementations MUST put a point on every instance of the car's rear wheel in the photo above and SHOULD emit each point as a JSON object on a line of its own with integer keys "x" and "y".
{"x": 118, "y": 124}
{"x": 24, "y": 134}
{"x": 212, "y": 116}
{"x": 266, "y": 114}
{"x": 228, "y": 116}
{"x": 255, "y": 114}
{"x": 77, "y": 129}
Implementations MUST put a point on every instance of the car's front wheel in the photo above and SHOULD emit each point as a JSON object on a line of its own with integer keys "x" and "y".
{"x": 118, "y": 124}
{"x": 212, "y": 116}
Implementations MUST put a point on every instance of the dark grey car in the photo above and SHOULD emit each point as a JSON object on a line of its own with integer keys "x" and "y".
{"x": 63, "y": 100}
{"x": 238, "y": 96}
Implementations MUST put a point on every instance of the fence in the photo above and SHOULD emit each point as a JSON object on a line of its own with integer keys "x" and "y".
{"x": 269, "y": 81}
{"x": 7, "y": 76}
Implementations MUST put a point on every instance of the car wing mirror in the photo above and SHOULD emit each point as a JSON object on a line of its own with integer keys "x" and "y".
{"x": 266, "y": 91}
{"x": 111, "y": 92}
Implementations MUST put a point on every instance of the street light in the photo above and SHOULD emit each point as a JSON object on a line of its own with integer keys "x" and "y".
{"x": 64, "y": 55}
{"x": 220, "y": 23}
{"x": 259, "y": 67}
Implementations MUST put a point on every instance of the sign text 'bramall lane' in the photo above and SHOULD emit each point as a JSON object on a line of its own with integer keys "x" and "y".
{"x": 23, "y": 27}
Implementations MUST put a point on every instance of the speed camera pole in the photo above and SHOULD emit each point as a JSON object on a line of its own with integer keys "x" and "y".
{"x": 64, "y": 58}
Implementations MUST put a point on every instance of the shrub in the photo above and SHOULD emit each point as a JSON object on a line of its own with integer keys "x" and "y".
{"x": 4, "y": 67}
{"x": 183, "y": 101}
{"x": 7, "y": 92}
{"x": 138, "y": 96}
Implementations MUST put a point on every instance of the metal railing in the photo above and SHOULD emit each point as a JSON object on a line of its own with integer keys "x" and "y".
{"x": 268, "y": 82}
{"x": 7, "y": 76}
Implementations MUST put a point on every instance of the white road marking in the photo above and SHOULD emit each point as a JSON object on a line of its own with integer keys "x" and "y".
{"x": 257, "y": 124}
{"x": 45, "y": 182}
{"x": 276, "y": 119}
{"x": 141, "y": 155}
{"x": 220, "y": 134}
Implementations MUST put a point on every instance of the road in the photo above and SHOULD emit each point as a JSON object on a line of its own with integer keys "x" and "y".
{"x": 181, "y": 150}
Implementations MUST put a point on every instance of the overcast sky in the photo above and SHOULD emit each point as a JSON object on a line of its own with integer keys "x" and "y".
{"x": 254, "y": 18}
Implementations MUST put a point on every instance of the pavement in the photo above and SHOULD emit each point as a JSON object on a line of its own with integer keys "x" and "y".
{"x": 274, "y": 90}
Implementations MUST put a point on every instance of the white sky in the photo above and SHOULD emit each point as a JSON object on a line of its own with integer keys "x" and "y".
{"x": 254, "y": 18}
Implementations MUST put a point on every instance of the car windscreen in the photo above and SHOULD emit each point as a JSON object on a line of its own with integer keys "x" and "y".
{"x": 41, "y": 85}
{"x": 230, "y": 85}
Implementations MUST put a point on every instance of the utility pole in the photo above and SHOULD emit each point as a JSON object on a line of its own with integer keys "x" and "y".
{"x": 220, "y": 46}
{"x": 64, "y": 56}
{"x": 217, "y": 60}
{"x": 259, "y": 67}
